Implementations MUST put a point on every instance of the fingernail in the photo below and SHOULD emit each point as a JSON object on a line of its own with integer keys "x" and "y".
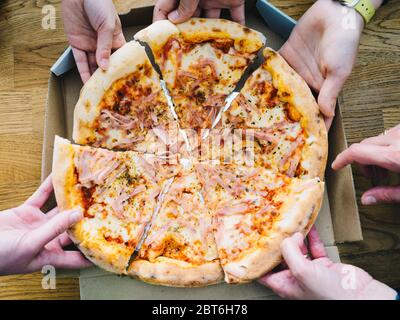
{"x": 174, "y": 15}
{"x": 104, "y": 64}
{"x": 368, "y": 200}
{"x": 76, "y": 216}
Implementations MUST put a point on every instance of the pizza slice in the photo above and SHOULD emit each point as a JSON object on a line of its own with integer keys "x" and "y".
{"x": 254, "y": 211}
{"x": 277, "y": 108}
{"x": 124, "y": 108}
{"x": 118, "y": 193}
{"x": 180, "y": 248}
{"x": 201, "y": 61}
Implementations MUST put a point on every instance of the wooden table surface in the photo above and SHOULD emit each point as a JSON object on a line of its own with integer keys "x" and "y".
{"x": 27, "y": 51}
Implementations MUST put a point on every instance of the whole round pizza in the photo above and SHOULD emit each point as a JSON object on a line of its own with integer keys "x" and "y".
{"x": 180, "y": 185}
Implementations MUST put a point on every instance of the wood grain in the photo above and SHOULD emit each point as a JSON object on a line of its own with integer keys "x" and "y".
{"x": 371, "y": 99}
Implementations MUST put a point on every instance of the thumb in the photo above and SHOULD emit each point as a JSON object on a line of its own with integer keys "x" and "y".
{"x": 294, "y": 258}
{"x": 53, "y": 228}
{"x": 105, "y": 34}
{"x": 185, "y": 10}
{"x": 329, "y": 93}
{"x": 381, "y": 194}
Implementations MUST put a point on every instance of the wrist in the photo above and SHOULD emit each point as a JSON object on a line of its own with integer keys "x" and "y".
{"x": 376, "y": 290}
{"x": 348, "y": 17}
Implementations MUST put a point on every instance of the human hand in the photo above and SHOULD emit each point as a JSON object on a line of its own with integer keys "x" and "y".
{"x": 322, "y": 49}
{"x": 169, "y": 9}
{"x": 93, "y": 28}
{"x": 371, "y": 154}
{"x": 320, "y": 278}
{"x": 30, "y": 239}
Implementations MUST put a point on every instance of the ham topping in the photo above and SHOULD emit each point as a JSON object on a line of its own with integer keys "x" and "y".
{"x": 116, "y": 121}
{"x": 95, "y": 167}
{"x": 293, "y": 147}
{"x": 246, "y": 105}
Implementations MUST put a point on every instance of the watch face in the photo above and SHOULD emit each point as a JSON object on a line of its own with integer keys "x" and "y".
{"x": 349, "y": 3}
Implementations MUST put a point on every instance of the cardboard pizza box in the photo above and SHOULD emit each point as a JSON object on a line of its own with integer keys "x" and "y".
{"x": 337, "y": 222}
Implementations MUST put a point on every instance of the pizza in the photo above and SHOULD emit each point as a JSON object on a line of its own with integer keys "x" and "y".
{"x": 201, "y": 61}
{"x": 180, "y": 249}
{"x": 124, "y": 108}
{"x": 179, "y": 187}
{"x": 118, "y": 193}
{"x": 254, "y": 210}
{"x": 277, "y": 113}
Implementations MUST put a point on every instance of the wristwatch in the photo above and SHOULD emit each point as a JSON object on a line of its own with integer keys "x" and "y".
{"x": 363, "y": 7}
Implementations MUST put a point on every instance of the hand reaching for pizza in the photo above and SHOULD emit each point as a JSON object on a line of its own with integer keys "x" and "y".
{"x": 180, "y": 11}
{"x": 374, "y": 155}
{"x": 321, "y": 278}
{"x": 30, "y": 239}
{"x": 322, "y": 49}
{"x": 93, "y": 29}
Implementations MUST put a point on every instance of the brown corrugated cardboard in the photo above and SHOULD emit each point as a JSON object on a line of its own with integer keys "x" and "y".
{"x": 341, "y": 207}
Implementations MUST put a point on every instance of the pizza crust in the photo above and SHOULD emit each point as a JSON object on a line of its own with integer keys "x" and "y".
{"x": 112, "y": 257}
{"x": 298, "y": 94}
{"x": 123, "y": 62}
{"x": 299, "y": 214}
{"x": 170, "y": 272}
{"x": 62, "y": 176}
{"x": 199, "y": 29}
{"x": 157, "y": 34}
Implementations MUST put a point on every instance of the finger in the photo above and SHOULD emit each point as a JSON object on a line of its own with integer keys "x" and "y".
{"x": 61, "y": 241}
{"x": 105, "y": 35}
{"x": 118, "y": 41}
{"x": 282, "y": 283}
{"x": 63, "y": 260}
{"x": 324, "y": 262}
{"x": 293, "y": 256}
{"x": 237, "y": 14}
{"x": 313, "y": 79}
{"x": 64, "y": 240}
{"x": 163, "y": 8}
{"x": 381, "y": 140}
{"x": 52, "y": 213}
{"x": 212, "y": 13}
{"x": 328, "y": 95}
{"x": 40, "y": 196}
{"x": 118, "y": 38}
{"x": 328, "y": 122}
{"x": 381, "y": 194}
{"x": 92, "y": 62}
{"x": 184, "y": 12}
{"x": 315, "y": 244}
{"x": 82, "y": 64}
{"x": 52, "y": 228}
{"x": 197, "y": 13}
{"x": 365, "y": 154}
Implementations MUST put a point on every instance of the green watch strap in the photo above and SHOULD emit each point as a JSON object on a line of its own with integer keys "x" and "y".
{"x": 366, "y": 9}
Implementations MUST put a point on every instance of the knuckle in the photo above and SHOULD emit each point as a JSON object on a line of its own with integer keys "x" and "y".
{"x": 393, "y": 155}
{"x": 186, "y": 7}
{"x": 300, "y": 272}
{"x": 386, "y": 195}
{"x": 60, "y": 226}
{"x": 108, "y": 25}
{"x": 355, "y": 147}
